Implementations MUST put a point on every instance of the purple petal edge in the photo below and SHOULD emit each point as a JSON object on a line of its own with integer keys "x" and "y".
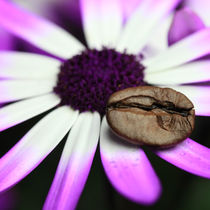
{"x": 128, "y": 169}
{"x": 75, "y": 163}
{"x": 188, "y": 156}
{"x": 185, "y": 23}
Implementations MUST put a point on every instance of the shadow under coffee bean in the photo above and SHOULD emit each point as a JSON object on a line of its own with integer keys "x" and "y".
{"x": 148, "y": 115}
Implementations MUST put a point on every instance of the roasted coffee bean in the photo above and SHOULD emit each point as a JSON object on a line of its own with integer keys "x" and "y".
{"x": 148, "y": 115}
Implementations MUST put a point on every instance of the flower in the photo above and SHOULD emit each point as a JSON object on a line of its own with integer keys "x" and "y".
{"x": 35, "y": 81}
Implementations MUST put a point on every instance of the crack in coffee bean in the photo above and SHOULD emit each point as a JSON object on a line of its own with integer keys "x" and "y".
{"x": 149, "y": 115}
{"x": 166, "y": 106}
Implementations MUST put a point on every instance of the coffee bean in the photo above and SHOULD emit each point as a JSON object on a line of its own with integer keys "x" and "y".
{"x": 148, "y": 115}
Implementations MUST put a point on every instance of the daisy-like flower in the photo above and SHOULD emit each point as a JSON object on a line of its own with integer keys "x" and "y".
{"x": 77, "y": 86}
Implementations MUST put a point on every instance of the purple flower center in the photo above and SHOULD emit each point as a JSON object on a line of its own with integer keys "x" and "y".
{"x": 86, "y": 81}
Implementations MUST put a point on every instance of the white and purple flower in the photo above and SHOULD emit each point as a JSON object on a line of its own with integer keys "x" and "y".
{"x": 31, "y": 82}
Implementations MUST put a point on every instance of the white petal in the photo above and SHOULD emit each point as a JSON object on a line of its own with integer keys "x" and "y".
{"x": 128, "y": 168}
{"x": 38, "y": 31}
{"x": 32, "y": 149}
{"x": 199, "y": 95}
{"x": 19, "y": 65}
{"x": 128, "y": 7}
{"x": 21, "y": 111}
{"x": 139, "y": 27}
{"x": 102, "y": 20}
{"x": 75, "y": 163}
{"x": 12, "y": 90}
{"x": 188, "y": 49}
{"x": 198, "y": 71}
{"x": 159, "y": 40}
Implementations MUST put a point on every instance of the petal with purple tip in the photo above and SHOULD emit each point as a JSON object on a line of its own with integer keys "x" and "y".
{"x": 18, "y": 112}
{"x": 188, "y": 49}
{"x": 189, "y": 156}
{"x": 138, "y": 28}
{"x": 38, "y": 31}
{"x": 201, "y": 7}
{"x": 158, "y": 42}
{"x": 128, "y": 168}
{"x": 102, "y": 22}
{"x": 75, "y": 163}
{"x": 12, "y": 90}
{"x": 31, "y": 150}
{"x": 185, "y": 22}
{"x": 128, "y": 7}
{"x": 198, "y": 71}
{"x": 199, "y": 95}
{"x": 6, "y": 40}
{"x": 21, "y": 65}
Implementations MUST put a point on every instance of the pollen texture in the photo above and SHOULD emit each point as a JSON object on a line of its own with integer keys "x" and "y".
{"x": 86, "y": 81}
